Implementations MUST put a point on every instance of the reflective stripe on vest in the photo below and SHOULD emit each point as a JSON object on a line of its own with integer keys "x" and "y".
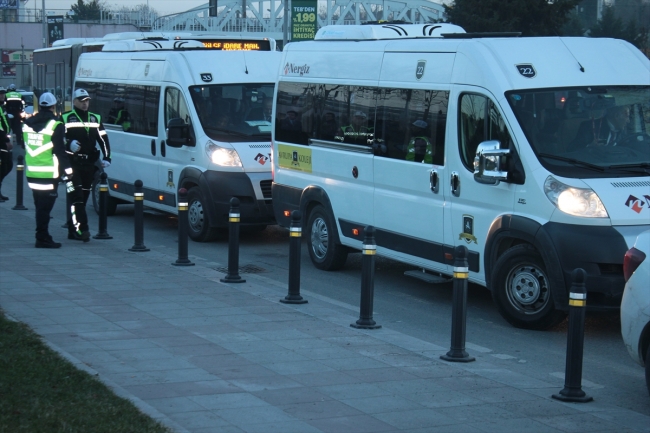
{"x": 39, "y": 159}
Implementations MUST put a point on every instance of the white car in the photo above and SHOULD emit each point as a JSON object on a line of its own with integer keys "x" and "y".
{"x": 635, "y": 306}
{"x": 28, "y": 97}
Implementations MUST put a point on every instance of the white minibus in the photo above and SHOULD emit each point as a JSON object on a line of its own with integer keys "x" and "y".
{"x": 531, "y": 152}
{"x": 187, "y": 112}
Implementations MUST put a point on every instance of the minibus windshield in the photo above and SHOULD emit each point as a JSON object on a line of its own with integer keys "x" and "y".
{"x": 588, "y": 131}
{"x": 235, "y": 112}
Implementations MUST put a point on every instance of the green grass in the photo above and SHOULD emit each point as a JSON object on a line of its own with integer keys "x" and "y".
{"x": 41, "y": 392}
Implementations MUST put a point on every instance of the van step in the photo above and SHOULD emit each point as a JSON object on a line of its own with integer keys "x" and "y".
{"x": 429, "y": 278}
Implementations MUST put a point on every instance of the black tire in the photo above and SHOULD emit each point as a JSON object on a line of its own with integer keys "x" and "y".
{"x": 111, "y": 203}
{"x": 647, "y": 369}
{"x": 199, "y": 227}
{"x": 521, "y": 290}
{"x": 324, "y": 252}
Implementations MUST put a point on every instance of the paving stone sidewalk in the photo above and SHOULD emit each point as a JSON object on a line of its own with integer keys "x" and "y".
{"x": 204, "y": 356}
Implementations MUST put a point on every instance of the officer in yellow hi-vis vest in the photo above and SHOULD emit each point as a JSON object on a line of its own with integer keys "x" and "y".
{"x": 44, "y": 156}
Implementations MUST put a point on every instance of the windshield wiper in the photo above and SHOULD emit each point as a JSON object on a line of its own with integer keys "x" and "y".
{"x": 572, "y": 161}
{"x": 644, "y": 166}
{"x": 227, "y": 131}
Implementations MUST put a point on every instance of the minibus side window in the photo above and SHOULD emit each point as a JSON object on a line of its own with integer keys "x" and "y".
{"x": 410, "y": 125}
{"x": 176, "y": 107}
{"x": 294, "y": 112}
{"x": 479, "y": 121}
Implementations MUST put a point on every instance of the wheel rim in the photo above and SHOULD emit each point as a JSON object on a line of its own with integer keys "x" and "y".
{"x": 195, "y": 216}
{"x": 319, "y": 238}
{"x": 528, "y": 289}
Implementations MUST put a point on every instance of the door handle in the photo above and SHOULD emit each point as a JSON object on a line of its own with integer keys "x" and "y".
{"x": 433, "y": 181}
{"x": 455, "y": 183}
{"x": 162, "y": 148}
{"x": 153, "y": 147}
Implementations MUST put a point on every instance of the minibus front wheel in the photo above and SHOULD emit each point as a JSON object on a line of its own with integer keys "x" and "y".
{"x": 324, "y": 251}
{"x": 199, "y": 228}
{"x": 521, "y": 289}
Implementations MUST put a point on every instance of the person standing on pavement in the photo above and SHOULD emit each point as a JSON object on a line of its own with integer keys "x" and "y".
{"x": 45, "y": 155}
{"x": 15, "y": 106}
{"x": 83, "y": 131}
{"x": 6, "y": 159}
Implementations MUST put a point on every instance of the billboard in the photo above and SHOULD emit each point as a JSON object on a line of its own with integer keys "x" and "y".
{"x": 303, "y": 20}
{"x": 54, "y": 29}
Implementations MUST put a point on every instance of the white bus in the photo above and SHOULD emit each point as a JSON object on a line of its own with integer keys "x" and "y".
{"x": 193, "y": 110}
{"x": 520, "y": 160}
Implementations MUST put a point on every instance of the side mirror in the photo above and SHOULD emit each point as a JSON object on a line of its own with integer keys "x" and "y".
{"x": 489, "y": 163}
{"x": 178, "y": 133}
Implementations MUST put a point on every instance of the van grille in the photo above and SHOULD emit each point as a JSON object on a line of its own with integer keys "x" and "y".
{"x": 630, "y": 184}
{"x": 265, "y": 185}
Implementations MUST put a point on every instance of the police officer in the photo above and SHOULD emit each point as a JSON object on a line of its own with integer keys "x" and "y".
{"x": 15, "y": 106}
{"x": 118, "y": 114}
{"x": 419, "y": 148}
{"x": 6, "y": 160}
{"x": 83, "y": 131}
{"x": 44, "y": 156}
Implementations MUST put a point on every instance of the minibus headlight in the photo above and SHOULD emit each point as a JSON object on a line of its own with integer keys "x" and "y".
{"x": 222, "y": 156}
{"x": 582, "y": 202}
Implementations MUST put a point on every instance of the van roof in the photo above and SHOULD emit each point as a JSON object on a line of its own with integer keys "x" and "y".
{"x": 385, "y": 31}
{"x": 151, "y": 45}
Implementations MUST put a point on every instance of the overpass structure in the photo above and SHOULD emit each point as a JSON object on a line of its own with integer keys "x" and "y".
{"x": 267, "y": 17}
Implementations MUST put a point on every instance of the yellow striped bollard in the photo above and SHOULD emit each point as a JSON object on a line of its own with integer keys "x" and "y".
{"x": 369, "y": 250}
{"x": 295, "y": 239}
{"x": 572, "y": 391}
{"x": 138, "y": 218}
{"x": 102, "y": 233}
{"x": 233, "y": 244}
{"x": 457, "y": 352}
{"x": 183, "y": 204}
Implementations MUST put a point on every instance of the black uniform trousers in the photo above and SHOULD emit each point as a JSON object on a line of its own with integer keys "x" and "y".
{"x": 17, "y": 127}
{"x": 82, "y": 179}
{"x": 44, "y": 202}
{"x": 6, "y": 163}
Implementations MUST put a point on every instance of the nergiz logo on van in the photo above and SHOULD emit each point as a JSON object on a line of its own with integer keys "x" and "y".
{"x": 290, "y": 68}
{"x": 526, "y": 70}
{"x": 419, "y": 69}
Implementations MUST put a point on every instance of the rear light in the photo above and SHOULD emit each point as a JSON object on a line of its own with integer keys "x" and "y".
{"x": 633, "y": 258}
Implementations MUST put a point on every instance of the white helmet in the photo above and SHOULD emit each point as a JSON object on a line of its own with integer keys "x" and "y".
{"x": 47, "y": 100}
{"x": 12, "y": 87}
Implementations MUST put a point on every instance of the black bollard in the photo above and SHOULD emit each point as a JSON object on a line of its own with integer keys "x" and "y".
{"x": 138, "y": 218}
{"x": 20, "y": 176}
{"x": 572, "y": 391}
{"x": 457, "y": 351}
{"x": 182, "y": 230}
{"x": 367, "y": 281}
{"x": 295, "y": 234}
{"x": 103, "y": 198}
{"x": 233, "y": 245}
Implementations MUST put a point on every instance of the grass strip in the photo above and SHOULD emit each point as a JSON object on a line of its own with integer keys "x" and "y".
{"x": 40, "y": 391}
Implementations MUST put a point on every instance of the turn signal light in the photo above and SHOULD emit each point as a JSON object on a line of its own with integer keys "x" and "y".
{"x": 355, "y": 232}
{"x": 161, "y": 198}
{"x": 631, "y": 261}
{"x": 287, "y": 213}
{"x": 114, "y": 186}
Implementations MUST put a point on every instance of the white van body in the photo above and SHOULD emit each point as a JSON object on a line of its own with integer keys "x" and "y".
{"x": 155, "y": 81}
{"x": 531, "y": 202}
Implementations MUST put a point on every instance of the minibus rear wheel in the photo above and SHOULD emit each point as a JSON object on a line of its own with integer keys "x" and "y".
{"x": 199, "y": 229}
{"x": 521, "y": 289}
{"x": 324, "y": 252}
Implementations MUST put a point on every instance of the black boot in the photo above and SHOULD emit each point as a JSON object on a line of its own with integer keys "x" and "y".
{"x": 3, "y": 197}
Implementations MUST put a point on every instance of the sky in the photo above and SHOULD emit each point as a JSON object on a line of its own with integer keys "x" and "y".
{"x": 163, "y": 7}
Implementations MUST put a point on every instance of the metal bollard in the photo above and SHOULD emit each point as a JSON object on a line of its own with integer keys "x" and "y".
{"x": 138, "y": 218}
{"x": 367, "y": 281}
{"x": 572, "y": 391}
{"x": 103, "y": 198}
{"x": 457, "y": 351}
{"x": 20, "y": 176}
{"x": 233, "y": 244}
{"x": 295, "y": 234}
{"x": 182, "y": 230}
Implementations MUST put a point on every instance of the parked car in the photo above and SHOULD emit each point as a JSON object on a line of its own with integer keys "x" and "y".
{"x": 635, "y": 306}
{"x": 28, "y": 97}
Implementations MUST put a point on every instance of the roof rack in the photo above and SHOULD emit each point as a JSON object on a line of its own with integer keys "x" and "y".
{"x": 481, "y": 35}
{"x": 388, "y": 30}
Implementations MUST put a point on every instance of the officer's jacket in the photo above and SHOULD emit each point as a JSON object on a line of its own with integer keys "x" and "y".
{"x": 45, "y": 154}
{"x": 4, "y": 128}
{"x": 15, "y": 104}
{"x": 87, "y": 128}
